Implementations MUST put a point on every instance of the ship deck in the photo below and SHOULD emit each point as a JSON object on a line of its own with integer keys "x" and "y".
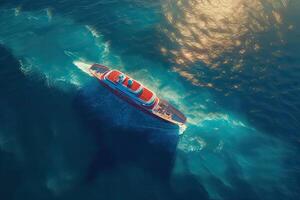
{"x": 159, "y": 107}
{"x": 165, "y": 110}
{"x": 141, "y": 92}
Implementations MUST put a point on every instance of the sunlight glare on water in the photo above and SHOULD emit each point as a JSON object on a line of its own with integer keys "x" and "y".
{"x": 231, "y": 66}
{"x": 205, "y": 30}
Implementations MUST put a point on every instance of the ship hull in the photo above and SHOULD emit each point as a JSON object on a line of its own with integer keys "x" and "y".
{"x": 132, "y": 103}
{"x": 151, "y": 110}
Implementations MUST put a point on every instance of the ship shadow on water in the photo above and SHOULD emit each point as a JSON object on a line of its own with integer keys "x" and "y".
{"x": 134, "y": 163}
{"x": 125, "y": 136}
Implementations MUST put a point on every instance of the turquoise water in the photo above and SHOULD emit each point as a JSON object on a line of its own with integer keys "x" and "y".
{"x": 232, "y": 66}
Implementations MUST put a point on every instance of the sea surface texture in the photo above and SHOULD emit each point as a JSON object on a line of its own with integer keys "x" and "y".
{"x": 232, "y": 66}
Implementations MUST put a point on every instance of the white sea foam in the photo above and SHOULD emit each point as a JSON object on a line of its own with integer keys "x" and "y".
{"x": 67, "y": 47}
{"x": 93, "y": 31}
{"x": 25, "y": 69}
{"x": 58, "y": 68}
{"x": 17, "y": 10}
{"x": 182, "y": 129}
{"x": 49, "y": 13}
{"x": 192, "y": 144}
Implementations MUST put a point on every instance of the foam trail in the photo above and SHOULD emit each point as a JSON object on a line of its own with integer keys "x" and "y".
{"x": 83, "y": 66}
{"x": 182, "y": 129}
{"x": 66, "y": 48}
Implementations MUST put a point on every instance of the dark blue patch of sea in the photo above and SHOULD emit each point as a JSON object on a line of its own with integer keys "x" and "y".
{"x": 232, "y": 66}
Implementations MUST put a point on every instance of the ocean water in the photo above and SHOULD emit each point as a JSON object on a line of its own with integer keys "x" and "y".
{"x": 232, "y": 66}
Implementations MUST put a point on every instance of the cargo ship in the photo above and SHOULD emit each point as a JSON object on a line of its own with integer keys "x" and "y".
{"x": 137, "y": 94}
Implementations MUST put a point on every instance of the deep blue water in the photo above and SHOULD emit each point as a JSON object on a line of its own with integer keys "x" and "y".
{"x": 232, "y": 66}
